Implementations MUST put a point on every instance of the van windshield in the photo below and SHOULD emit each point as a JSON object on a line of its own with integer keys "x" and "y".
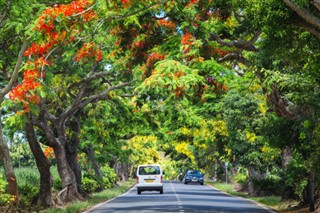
{"x": 149, "y": 170}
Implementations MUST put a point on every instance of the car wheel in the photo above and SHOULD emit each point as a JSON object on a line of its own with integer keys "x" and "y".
{"x": 185, "y": 182}
{"x": 201, "y": 183}
{"x": 139, "y": 192}
{"x": 161, "y": 191}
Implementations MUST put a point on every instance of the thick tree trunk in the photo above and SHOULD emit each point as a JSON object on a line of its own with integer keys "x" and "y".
{"x": 68, "y": 179}
{"x": 72, "y": 154}
{"x": 74, "y": 165}
{"x": 43, "y": 164}
{"x": 8, "y": 167}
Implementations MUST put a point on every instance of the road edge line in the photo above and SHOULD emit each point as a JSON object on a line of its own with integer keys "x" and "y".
{"x": 107, "y": 201}
{"x": 271, "y": 210}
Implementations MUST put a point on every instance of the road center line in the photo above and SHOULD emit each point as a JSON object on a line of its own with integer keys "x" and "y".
{"x": 177, "y": 197}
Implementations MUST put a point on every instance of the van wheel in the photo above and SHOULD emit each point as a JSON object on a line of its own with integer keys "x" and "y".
{"x": 139, "y": 192}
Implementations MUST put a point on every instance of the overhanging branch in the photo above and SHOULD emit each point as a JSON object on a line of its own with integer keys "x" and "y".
{"x": 239, "y": 44}
{"x": 305, "y": 14}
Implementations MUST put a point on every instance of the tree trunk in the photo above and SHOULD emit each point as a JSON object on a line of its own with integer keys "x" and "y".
{"x": 121, "y": 170}
{"x": 96, "y": 167}
{"x": 215, "y": 176}
{"x": 285, "y": 157}
{"x": 72, "y": 154}
{"x": 253, "y": 175}
{"x": 311, "y": 190}
{"x": 68, "y": 179}
{"x": 287, "y": 192}
{"x": 8, "y": 167}
{"x": 43, "y": 164}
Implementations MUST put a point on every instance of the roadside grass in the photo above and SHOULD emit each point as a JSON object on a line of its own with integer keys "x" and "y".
{"x": 273, "y": 202}
{"x": 94, "y": 199}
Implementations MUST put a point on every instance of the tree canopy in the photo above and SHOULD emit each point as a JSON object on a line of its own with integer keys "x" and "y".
{"x": 190, "y": 83}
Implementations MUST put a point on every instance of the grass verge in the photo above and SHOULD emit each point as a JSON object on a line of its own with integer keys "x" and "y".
{"x": 94, "y": 199}
{"x": 273, "y": 202}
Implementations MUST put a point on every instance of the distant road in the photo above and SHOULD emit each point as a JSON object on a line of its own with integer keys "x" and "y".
{"x": 178, "y": 197}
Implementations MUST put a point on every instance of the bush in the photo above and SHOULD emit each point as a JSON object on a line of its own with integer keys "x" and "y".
{"x": 271, "y": 185}
{"x": 4, "y": 198}
{"x": 296, "y": 176}
{"x": 241, "y": 177}
{"x": 28, "y": 184}
{"x": 90, "y": 184}
{"x": 109, "y": 176}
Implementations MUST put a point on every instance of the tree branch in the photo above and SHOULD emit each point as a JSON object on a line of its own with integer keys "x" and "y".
{"x": 15, "y": 73}
{"x": 102, "y": 95}
{"x": 316, "y": 3}
{"x": 240, "y": 44}
{"x": 138, "y": 11}
{"x": 307, "y": 27}
{"x": 233, "y": 56}
{"x": 304, "y": 14}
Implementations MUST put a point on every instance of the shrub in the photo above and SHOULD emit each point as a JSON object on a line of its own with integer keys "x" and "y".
{"x": 296, "y": 176}
{"x": 4, "y": 198}
{"x": 271, "y": 185}
{"x": 90, "y": 184}
{"x": 241, "y": 177}
{"x": 109, "y": 176}
{"x": 28, "y": 184}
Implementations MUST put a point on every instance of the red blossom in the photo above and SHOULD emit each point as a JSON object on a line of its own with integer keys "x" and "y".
{"x": 49, "y": 152}
{"x": 88, "y": 51}
{"x": 167, "y": 23}
{"x": 187, "y": 39}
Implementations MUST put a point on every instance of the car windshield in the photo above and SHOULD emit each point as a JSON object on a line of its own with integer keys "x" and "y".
{"x": 149, "y": 170}
{"x": 194, "y": 172}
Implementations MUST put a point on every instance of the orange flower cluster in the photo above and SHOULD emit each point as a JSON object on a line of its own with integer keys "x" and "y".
{"x": 167, "y": 23}
{"x": 37, "y": 49}
{"x": 53, "y": 36}
{"x": 46, "y": 20}
{"x": 49, "y": 153}
{"x": 152, "y": 59}
{"x": 88, "y": 51}
{"x": 187, "y": 39}
{"x": 138, "y": 44}
{"x": 221, "y": 53}
{"x": 30, "y": 82}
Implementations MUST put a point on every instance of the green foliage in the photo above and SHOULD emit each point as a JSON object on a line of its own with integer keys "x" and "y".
{"x": 109, "y": 176}
{"x": 90, "y": 183}
{"x": 296, "y": 176}
{"x": 4, "y": 198}
{"x": 270, "y": 185}
{"x": 28, "y": 184}
{"x": 241, "y": 177}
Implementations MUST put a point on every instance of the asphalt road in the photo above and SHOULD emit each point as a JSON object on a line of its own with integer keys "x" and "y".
{"x": 178, "y": 197}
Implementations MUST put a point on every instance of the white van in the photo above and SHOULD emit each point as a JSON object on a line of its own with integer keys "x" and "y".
{"x": 149, "y": 178}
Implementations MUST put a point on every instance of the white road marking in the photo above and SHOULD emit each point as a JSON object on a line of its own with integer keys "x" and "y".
{"x": 179, "y": 203}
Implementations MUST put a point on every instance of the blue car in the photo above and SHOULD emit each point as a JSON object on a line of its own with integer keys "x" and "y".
{"x": 194, "y": 176}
